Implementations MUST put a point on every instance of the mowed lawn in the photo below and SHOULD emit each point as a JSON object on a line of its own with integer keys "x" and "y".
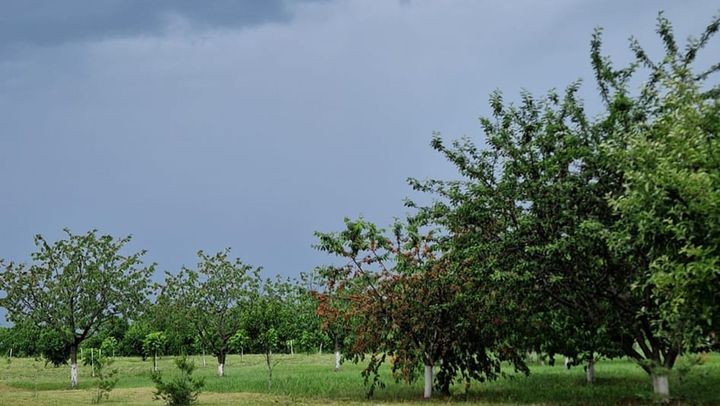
{"x": 310, "y": 379}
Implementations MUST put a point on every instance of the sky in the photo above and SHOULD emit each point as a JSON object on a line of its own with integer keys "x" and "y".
{"x": 251, "y": 124}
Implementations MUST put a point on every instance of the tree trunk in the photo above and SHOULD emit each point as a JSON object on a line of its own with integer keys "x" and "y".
{"x": 337, "y": 356}
{"x": 242, "y": 352}
{"x": 73, "y": 366}
{"x": 203, "y": 357}
{"x": 92, "y": 362}
{"x": 221, "y": 364}
{"x": 427, "y": 393}
{"x": 320, "y": 352}
{"x": 268, "y": 361}
{"x": 661, "y": 386}
{"x": 590, "y": 371}
{"x": 155, "y": 361}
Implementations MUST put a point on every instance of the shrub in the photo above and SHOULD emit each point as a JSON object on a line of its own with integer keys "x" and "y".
{"x": 181, "y": 390}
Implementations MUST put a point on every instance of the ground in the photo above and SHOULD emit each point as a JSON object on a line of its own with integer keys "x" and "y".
{"x": 310, "y": 379}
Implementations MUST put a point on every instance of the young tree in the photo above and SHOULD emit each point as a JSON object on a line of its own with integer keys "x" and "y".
{"x": 154, "y": 343}
{"x": 74, "y": 286}
{"x": 214, "y": 297}
{"x": 238, "y": 342}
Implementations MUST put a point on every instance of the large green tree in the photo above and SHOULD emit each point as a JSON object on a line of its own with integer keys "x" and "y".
{"x": 214, "y": 297}
{"x": 75, "y": 286}
{"x": 664, "y": 142}
{"x": 584, "y": 217}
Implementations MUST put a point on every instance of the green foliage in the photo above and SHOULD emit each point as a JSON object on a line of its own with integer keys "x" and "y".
{"x": 133, "y": 339}
{"x": 53, "y": 348}
{"x": 407, "y": 301}
{"x": 239, "y": 341}
{"x": 670, "y": 207}
{"x": 154, "y": 343}
{"x": 213, "y": 298}
{"x": 109, "y": 345}
{"x": 182, "y": 389}
{"x": 22, "y": 339}
{"x": 76, "y": 285}
{"x": 106, "y": 378}
{"x": 268, "y": 320}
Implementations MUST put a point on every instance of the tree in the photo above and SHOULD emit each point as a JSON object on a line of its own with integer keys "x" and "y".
{"x": 332, "y": 310}
{"x": 669, "y": 204}
{"x": 75, "y": 286}
{"x": 268, "y": 320}
{"x": 132, "y": 341}
{"x": 183, "y": 389}
{"x": 572, "y": 214}
{"x": 238, "y": 342}
{"x": 154, "y": 343}
{"x": 214, "y": 297}
{"x": 106, "y": 378}
{"x": 409, "y": 303}
{"x": 109, "y": 345}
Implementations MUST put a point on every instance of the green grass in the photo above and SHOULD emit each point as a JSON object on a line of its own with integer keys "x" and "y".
{"x": 310, "y": 379}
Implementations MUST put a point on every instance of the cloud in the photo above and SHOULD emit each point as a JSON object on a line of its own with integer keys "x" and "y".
{"x": 214, "y": 135}
{"x": 50, "y": 22}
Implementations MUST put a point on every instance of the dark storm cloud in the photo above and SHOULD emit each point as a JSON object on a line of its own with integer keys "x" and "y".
{"x": 53, "y": 22}
{"x": 230, "y": 131}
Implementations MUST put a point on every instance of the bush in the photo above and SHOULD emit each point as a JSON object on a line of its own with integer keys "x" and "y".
{"x": 52, "y": 347}
{"x": 183, "y": 389}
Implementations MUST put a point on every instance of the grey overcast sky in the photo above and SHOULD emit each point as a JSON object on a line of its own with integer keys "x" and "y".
{"x": 250, "y": 124}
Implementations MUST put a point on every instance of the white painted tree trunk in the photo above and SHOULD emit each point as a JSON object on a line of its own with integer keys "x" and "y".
{"x": 427, "y": 393}
{"x": 73, "y": 374}
{"x": 203, "y": 357}
{"x": 320, "y": 351}
{"x": 73, "y": 367}
{"x": 590, "y": 371}
{"x": 661, "y": 386}
{"x": 155, "y": 361}
{"x": 337, "y": 360}
{"x": 92, "y": 363}
{"x": 221, "y": 369}
{"x": 567, "y": 362}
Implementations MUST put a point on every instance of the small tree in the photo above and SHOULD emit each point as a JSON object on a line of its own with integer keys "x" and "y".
{"x": 238, "y": 342}
{"x": 154, "y": 343}
{"x": 106, "y": 378}
{"x": 183, "y": 389}
{"x": 74, "y": 286}
{"x": 109, "y": 345}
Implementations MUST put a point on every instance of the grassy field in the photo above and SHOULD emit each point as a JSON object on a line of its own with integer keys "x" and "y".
{"x": 310, "y": 379}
